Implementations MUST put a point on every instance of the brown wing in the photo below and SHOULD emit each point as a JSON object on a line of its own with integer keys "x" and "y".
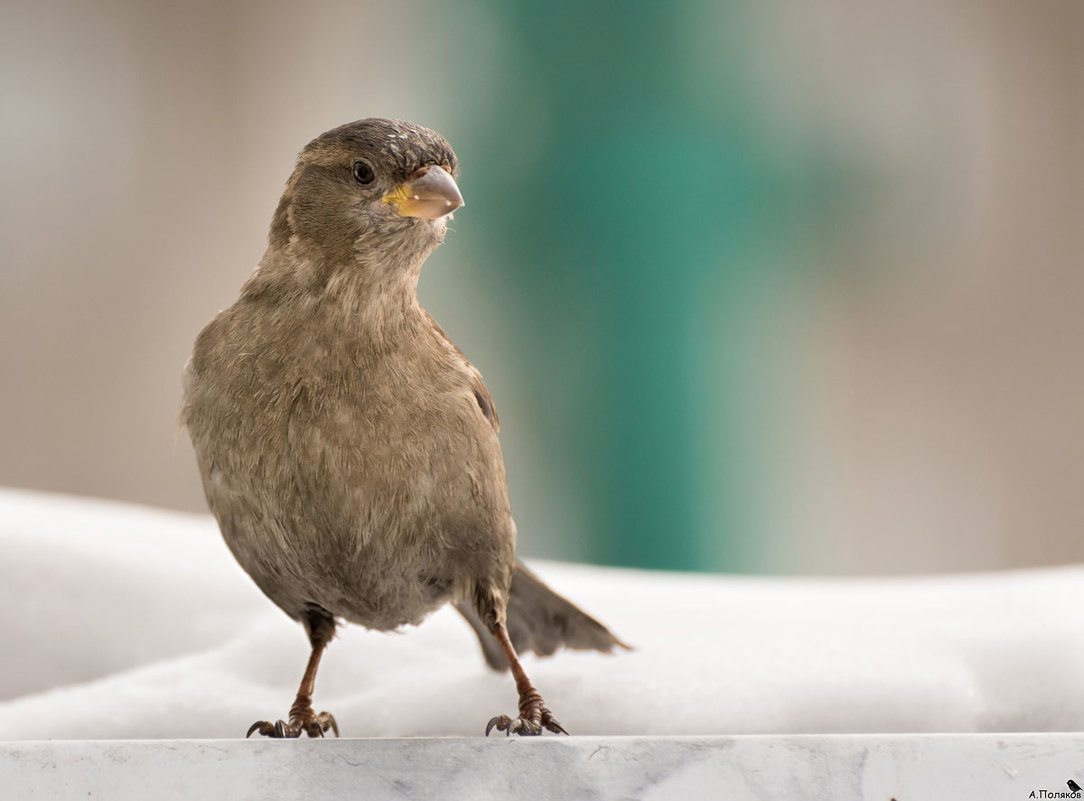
{"x": 481, "y": 394}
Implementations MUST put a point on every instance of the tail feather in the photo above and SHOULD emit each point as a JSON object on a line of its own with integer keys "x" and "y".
{"x": 541, "y": 621}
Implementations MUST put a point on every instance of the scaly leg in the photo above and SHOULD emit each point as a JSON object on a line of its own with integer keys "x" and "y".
{"x": 321, "y": 628}
{"x": 533, "y": 715}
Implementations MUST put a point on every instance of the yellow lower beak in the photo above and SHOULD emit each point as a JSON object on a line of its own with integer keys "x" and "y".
{"x": 430, "y": 193}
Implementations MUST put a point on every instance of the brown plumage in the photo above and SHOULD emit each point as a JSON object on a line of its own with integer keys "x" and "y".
{"x": 347, "y": 448}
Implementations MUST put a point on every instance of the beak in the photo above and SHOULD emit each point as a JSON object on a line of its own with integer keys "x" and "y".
{"x": 430, "y": 194}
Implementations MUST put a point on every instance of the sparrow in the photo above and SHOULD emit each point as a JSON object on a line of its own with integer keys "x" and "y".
{"x": 347, "y": 448}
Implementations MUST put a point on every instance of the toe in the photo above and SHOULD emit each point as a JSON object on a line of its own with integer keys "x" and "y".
{"x": 550, "y": 722}
{"x": 500, "y": 723}
{"x": 525, "y": 727}
{"x": 327, "y": 721}
{"x": 262, "y": 726}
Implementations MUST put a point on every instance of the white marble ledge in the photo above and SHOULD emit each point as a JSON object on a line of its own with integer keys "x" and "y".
{"x": 836, "y": 767}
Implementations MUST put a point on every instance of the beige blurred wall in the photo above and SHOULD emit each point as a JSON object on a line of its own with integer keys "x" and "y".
{"x": 927, "y": 383}
{"x": 937, "y": 370}
{"x": 144, "y": 148}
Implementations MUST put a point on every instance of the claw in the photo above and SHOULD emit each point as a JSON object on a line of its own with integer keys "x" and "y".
{"x": 501, "y": 722}
{"x": 524, "y": 726}
{"x": 259, "y": 724}
{"x": 327, "y": 721}
{"x": 314, "y": 726}
{"x": 550, "y": 722}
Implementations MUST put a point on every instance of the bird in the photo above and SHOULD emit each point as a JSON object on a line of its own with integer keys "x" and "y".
{"x": 347, "y": 448}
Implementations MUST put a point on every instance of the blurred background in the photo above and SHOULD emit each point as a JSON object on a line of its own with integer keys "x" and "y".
{"x": 756, "y": 287}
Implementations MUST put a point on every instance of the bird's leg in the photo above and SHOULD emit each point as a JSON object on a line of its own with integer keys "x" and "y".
{"x": 533, "y": 715}
{"x": 321, "y": 627}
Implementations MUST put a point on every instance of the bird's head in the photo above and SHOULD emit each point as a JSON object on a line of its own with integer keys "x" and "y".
{"x": 380, "y": 191}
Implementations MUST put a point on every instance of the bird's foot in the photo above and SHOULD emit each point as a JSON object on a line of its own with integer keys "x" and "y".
{"x": 306, "y": 721}
{"x": 531, "y": 721}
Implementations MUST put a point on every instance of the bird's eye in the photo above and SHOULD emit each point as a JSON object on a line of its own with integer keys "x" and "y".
{"x": 363, "y": 172}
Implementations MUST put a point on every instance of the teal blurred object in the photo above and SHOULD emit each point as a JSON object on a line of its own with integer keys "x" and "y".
{"x": 633, "y": 193}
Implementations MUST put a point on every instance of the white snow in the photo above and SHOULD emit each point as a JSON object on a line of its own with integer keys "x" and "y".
{"x": 127, "y": 622}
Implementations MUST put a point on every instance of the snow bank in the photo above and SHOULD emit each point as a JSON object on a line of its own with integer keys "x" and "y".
{"x": 126, "y": 622}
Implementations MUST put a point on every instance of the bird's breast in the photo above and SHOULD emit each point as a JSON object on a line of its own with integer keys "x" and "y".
{"x": 355, "y": 477}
